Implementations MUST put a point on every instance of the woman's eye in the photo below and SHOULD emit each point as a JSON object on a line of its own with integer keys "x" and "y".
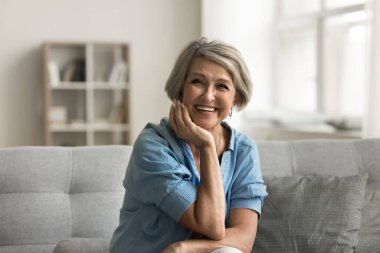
{"x": 223, "y": 86}
{"x": 196, "y": 81}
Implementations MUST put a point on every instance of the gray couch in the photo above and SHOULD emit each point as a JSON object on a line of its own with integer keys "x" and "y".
{"x": 73, "y": 195}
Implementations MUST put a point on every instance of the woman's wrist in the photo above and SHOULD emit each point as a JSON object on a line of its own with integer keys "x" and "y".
{"x": 207, "y": 145}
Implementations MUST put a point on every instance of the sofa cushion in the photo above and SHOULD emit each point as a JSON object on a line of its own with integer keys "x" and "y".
{"x": 95, "y": 214}
{"x": 370, "y": 226}
{"x": 311, "y": 214}
{"x": 83, "y": 245}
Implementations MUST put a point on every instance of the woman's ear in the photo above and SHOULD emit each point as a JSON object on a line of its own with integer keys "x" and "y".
{"x": 238, "y": 99}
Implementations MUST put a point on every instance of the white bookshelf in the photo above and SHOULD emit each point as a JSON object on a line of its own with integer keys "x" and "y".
{"x": 86, "y": 88}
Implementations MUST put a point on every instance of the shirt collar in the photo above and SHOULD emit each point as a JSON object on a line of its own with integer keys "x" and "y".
{"x": 231, "y": 146}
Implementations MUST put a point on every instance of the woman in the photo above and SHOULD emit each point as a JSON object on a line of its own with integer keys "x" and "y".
{"x": 193, "y": 184}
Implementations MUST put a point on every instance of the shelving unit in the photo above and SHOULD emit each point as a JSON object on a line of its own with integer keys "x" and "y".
{"x": 86, "y": 91}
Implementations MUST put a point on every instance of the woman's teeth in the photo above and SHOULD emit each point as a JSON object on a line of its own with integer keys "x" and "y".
{"x": 205, "y": 108}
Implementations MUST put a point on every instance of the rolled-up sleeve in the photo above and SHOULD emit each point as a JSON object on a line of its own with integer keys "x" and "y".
{"x": 179, "y": 199}
{"x": 166, "y": 181}
{"x": 248, "y": 189}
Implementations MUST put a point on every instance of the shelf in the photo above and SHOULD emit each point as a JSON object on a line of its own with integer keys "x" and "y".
{"x": 86, "y": 88}
{"x": 89, "y": 85}
{"x": 110, "y": 127}
{"x": 68, "y": 86}
{"x": 68, "y": 127}
{"x": 110, "y": 86}
{"x": 88, "y": 127}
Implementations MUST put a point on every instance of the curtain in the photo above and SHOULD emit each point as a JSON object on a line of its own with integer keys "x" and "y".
{"x": 372, "y": 118}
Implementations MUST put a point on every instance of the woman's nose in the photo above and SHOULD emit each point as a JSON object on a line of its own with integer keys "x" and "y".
{"x": 209, "y": 94}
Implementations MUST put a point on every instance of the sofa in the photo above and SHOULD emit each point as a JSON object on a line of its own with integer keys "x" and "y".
{"x": 324, "y": 196}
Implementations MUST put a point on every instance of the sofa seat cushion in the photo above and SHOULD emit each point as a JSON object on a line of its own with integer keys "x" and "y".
{"x": 83, "y": 245}
{"x": 311, "y": 214}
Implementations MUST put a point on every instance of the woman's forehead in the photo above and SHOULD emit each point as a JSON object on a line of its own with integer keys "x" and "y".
{"x": 202, "y": 66}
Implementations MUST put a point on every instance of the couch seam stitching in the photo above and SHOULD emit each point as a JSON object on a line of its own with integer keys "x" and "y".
{"x": 291, "y": 157}
{"x": 69, "y": 192}
{"x": 358, "y": 158}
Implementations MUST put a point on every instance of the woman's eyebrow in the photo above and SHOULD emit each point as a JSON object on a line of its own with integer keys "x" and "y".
{"x": 219, "y": 80}
{"x": 227, "y": 81}
{"x": 197, "y": 74}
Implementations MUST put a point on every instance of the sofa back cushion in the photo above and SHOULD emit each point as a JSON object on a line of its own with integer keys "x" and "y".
{"x": 311, "y": 214}
{"x": 35, "y": 206}
{"x": 332, "y": 157}
{"x": 51, "y": 193}
{"x": 96, "y": 190}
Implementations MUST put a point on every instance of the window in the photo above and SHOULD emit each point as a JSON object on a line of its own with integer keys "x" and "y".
{"x": 344, "y": 64}
{"x": 321, "y": 59}
{"x": 296, "y": 74}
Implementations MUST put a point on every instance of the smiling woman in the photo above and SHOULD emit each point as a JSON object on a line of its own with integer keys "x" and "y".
{"x": 208, "y": 93}
{"x": 193, "y": 183}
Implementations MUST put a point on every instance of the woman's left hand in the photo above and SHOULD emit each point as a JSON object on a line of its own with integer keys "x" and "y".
{"x": 186, "y": 129}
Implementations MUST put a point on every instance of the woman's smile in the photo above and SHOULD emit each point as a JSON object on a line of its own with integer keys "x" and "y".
{"x": 205, "y": 108}
{"x": 209, "y": 93}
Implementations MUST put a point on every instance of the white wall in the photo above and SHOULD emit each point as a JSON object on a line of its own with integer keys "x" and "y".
{"x": 372, "y": 117}
{"x": 156, "y": 30}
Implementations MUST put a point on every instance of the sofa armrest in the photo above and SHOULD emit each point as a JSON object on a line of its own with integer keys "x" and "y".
{"x": 83, "y": 245}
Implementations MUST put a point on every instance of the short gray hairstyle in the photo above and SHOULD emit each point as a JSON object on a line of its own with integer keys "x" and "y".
{"x": 219, "y": 52}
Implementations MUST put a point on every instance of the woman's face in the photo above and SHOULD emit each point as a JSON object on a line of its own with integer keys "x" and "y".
{"x": 208, "y": 93}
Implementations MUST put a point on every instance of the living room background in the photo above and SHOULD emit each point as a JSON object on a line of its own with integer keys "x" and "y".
{"x": 155, "y": 32}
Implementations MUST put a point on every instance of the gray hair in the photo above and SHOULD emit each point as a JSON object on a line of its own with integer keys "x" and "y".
{"x": 219, "y": 52}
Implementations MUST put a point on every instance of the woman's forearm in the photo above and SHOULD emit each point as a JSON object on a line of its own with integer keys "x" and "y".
{"x": 210, "y": 204}
{"x": 207, "y": 215}
{"x": 235, "y": 238}
{"x": 240, "y": 234}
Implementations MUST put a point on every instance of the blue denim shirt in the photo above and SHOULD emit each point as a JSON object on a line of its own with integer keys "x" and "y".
{"x": 161, "y": 182}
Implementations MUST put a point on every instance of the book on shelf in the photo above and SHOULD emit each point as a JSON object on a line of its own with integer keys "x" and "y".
{"x": 53, "y": 73}
{"x": 74, "y": 71}
{"x": 118, "y": 72}
{"x": 58, "y": 115}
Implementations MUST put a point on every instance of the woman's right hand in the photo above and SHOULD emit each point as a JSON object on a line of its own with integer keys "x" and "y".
{"x": 177, "y": 247}
{"x": 186, "y": 129}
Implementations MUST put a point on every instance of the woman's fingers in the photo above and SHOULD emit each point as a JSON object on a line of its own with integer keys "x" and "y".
{"x": 172, "y": 116}
{"x": 185, "y": 116}
{"x": 179, "y": 116}
{"x": 185, "y": 124}
{"x": 172, "y": 121}
{"x": 176, "y": 121}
